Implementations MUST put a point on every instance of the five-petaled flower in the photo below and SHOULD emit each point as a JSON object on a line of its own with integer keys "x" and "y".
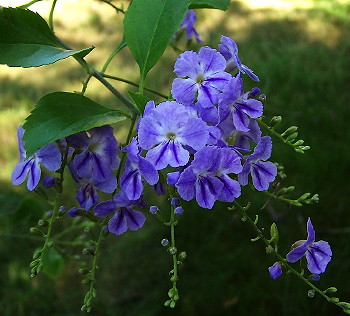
{"x": 49, "y": 156}
{"x": 318, "y": 254}
{"x": 203, "y": 77}
{"x": 167, "y": 132}
{"x": 207, "y": 178}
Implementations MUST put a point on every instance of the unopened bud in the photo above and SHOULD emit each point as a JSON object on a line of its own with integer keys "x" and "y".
{"x": 275, "y": 121}
{"x": 289, "y": 131}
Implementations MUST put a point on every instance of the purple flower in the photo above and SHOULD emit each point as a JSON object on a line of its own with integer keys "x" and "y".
{"x": 49, "y": 156}
{"x": 318, "y": 254}
{"x": 97, "y": 153}
{"x": 202, "y": 74}
{"x": 207, "y": 178}
{"x": 262, "y": 172}
{"x": 228, "y": 48}
{"x": 233, "y": 101}
{"x": 125, "y": 216}
{"x": 275, "y": 270}
{"x": 136, "y": 168}
{"x": 164, "y": 132}
{"x": 87, "y": 193}
{"x": 188, "y": 25}
{"x": 237, "y": 138}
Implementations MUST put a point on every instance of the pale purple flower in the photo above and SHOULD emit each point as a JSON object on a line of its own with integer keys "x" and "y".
{"x": 203, "y": 77}
{"x": 275, "y": 270}
{"x": 235, "y": 103}
{"x": 136, "y": 169}
{"x": 188, "y": 25}
{"x": 228, "y": 48}
{"x": 97, "y": 153}
{"x": 207, "y": 180}
{"x": 49, "y": 156}
{"x": 263, "y": 172}
{"x": 125, "y": 217}
{"x": 166, "y": 130}
{"x": 318, "y": 254}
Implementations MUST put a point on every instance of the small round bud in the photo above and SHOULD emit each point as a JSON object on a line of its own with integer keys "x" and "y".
{"x": 36, "y": 231}
{"x": 275, "y": 121}
{"x": 174, "y": 278}
{"x": 164, "y": 242}
{"x": 179, "y": 210}
{"x": 83, "y": 271}
{"x": 262, "y": 97}
{"x": 88, "y": 252}
{"x": 254, "y": 92}
{"x": 175, "y": 202}
{"x": 43, "y": 223}
{"x": 311, "y": 293}
{"x": 182, "y": 255}
{"x": 153, "y": 209}
{"x": 172, "y": 250}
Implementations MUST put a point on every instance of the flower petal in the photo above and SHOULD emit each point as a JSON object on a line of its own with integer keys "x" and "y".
{"x": 134, "y": 219}
{"x": 318, "y": 256}
{"x": 262, "y": 174}
{"x": 105, "y": 208}
{"x": 184, "y": 90}
{"x": 230, "y": 190}
{"x": 117, "y": 224}
{"x": 21, "y": 170}
{"x": 207, "y": 191}
{"x": 50, "y": 157}
{"x": 131, "y": 184}
{"x": 185, "y": 184}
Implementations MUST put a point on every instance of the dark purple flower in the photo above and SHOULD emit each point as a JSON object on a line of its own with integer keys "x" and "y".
{"x": 124, "y": 218}
{"x": 262, "y": 172}
{"x": 318, "y": 254}
{"x": 49, "y": 182}
{"x": 275, "y": 270}
{"x": 87, "y": 193}
{"x": 207, "y": 178}
{"x": 188, "y": 25}
{"x": 175, "y": 202}
{"x": 97, "y": 153}
{"x": 164, "y": 132}
{"x": 203, "y": 77}
{"x": 233, "y": 101}
{"x": 136, "y": 168}
{"x": 228, "y": 48}
{"x": 49, "y": 156}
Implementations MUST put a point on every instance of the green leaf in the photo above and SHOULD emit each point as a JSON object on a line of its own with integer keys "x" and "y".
{"x": 27, "y": 41}
{"x": 60, "y": 114}
{"x": 213, "y": 4}
{"x": 53, "y": 263}
{"x": 149, "y": 26}
{"x": 140, "y": 100}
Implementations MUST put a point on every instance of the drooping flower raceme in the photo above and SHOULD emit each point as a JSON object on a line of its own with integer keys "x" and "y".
{"x": 97, "y": 153}
{"x": 235, "y": 103}
{"x": 228, "y": 48}
{"x": 166, "y": 130}
{"x": 125, "y": 216}
{"x": 263, "y": 172}
{"x": 202, "y": 74}
{"x": 207, "y": 178}
{"x": 188, "y": 25}
{"x": 318, "y": 254}
{"x": 136, "y": 168}
{"x": 49, "y": 156}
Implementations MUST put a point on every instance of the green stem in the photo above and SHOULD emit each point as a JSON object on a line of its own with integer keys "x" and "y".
{"x": 51, "y": 14}
{"x": 260, "y": 235}
{"x": 133, "y": 84}
{"x": 113, "y": 6}
{"x": 279, "y": 197}
{"x": 57, "y": 204}
{"x": 93, "y": 72}
{"x": 142, "y": 84}
{"x": 128, "y": 139}
{"x": 172, "y": 232}
{"x": 27, "y": 5}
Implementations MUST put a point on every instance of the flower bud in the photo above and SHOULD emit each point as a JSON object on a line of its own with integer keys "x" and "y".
{"x": 275, "y": 121}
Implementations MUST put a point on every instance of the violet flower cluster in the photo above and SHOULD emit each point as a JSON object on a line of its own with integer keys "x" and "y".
{"x": 205, "y": 142}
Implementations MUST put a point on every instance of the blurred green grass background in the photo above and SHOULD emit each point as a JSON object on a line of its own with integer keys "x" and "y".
{"x": 300, "y": 50}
